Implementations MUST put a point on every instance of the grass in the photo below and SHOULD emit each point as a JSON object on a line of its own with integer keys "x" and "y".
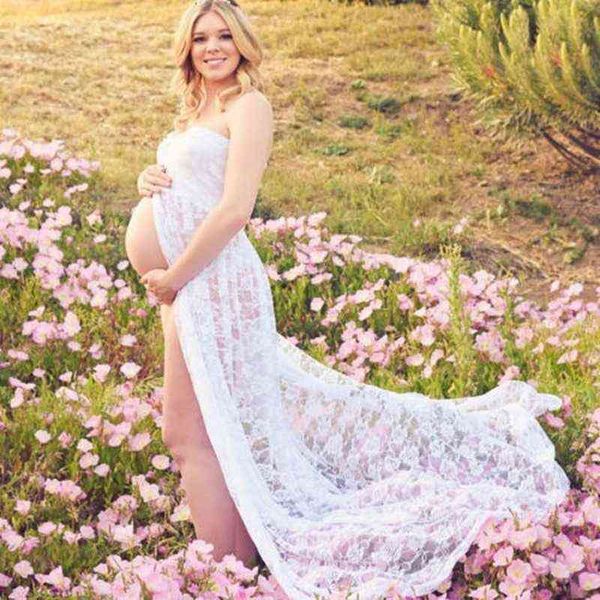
{"x": 431, "y": 329}
{"x": 363, "y": 99}
{"x": 366, "y": 108}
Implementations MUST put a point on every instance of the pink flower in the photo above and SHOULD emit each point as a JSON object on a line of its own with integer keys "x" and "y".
{"x": 47, "y": 528}
{"x": 518, "y": 571}
{"x": 559, "y": 570}
{"x": 13, "y": 540}
{"x": 316, "y": 304}
{"x": 23, "y": 568}
{"x": 554, "y": 421}
{"x": 17, "y": 354}
{"x": 523, "y": 335}
{"x": 365, "y": 313}
{"x": 404, "y": 302}
{"x": 491, "y": 344}
{"x": 423, "y": 334}
{"x": 574, "y": 557}
{"x": 84, "y": 445}
{"x": 42, "y": 436}
{"x": 22, "y": 506}
{"x": 503, "y": 556}
{"x": 88, "y": 460}
{"x": 56, "y": 164}
{"x": 567, "y": 357}
{"x": 87, "y": 532}
{"x": 57, "y": 579}
{"x": 66, "y": 377}
{"x": 95, "y": 350}
{"x": 102, "y": 470}
{"x": 510, "y": 373}
{"x": 71, "y": 325}
{"x": 272, "y": 273}
{"x": 125, "y": 535}
{"x": 94, "y": 217}
{"x": 160, "y": 461}
{"x": 128, "y": 340}
{"x": 139, "y": 441}
{"x": 294, "y": 272}
{"x": 18, "y": 399}
{"x": 589, "y": 581}
{"x": 65, "y": 489}
{"x": 180, "y": 513}
{"x": 511, "y": 589}
{"x": 414, "y": 360}
{"x": 523, "y": 539}
{"x": 130, "y": 369}
{"x": 21, "y": 592}
{"x": 574, "y": 289}
{"x": 485, "y": 592}
{"x": 101, "y": 372}
{"x": 539, "y": 563}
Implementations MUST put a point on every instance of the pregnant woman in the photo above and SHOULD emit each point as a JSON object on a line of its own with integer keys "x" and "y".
{"x": 336, "y": 483}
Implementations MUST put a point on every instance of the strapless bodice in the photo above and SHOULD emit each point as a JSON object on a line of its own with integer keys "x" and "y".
{"x": 195, "y": 158}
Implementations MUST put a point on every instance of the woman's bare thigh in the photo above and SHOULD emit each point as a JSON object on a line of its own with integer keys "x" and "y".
{"x": 183, "y": 424}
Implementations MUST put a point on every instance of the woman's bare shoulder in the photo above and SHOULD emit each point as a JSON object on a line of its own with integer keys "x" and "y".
{"x": 252, "y": 110}
{"x": 251, "y": 97}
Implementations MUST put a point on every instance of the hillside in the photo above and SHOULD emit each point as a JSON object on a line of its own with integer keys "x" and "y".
{"x": 364, "y": 102}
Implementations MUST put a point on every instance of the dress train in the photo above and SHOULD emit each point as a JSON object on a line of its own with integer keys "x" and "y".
{"x": 339, "y": 483}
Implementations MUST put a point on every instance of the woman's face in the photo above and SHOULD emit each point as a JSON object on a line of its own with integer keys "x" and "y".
{"x": 211, "y": 39}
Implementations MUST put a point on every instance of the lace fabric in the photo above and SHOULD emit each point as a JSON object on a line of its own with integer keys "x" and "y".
{"x": 339, "y": 483}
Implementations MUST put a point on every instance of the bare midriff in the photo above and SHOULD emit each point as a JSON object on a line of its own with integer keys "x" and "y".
{"x": 141, "y": 240}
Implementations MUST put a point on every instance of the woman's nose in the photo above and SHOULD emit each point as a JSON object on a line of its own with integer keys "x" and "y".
{"x": 212, "y": 44}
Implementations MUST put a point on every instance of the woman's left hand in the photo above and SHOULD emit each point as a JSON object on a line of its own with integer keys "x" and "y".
{"x": 158, "y": 283}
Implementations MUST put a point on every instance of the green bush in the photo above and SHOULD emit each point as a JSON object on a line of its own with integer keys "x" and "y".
{"x": 533, "y": 66}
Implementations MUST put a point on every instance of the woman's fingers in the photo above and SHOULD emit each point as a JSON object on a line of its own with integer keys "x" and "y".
{"x": 158, "y": 176}
{"x": 162, "y": 179}
{"x": 152, "y": 180}
{"x": 152, "y": 187}
{"x": 148, "y": 190}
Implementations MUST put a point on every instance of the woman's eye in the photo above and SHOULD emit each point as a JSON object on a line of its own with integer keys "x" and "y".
{"x": 225, "y": 35}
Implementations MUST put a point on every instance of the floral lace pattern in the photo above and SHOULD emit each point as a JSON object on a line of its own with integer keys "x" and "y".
{"x": 339, "y": 483}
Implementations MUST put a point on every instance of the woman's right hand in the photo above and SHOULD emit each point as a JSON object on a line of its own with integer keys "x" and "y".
{"x": 152, "y": 179}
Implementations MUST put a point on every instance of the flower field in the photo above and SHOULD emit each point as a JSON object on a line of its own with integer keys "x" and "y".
{"x": 90, "y": 503}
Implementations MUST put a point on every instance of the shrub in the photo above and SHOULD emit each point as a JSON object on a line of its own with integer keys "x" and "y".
{"x": 533, "y": 66}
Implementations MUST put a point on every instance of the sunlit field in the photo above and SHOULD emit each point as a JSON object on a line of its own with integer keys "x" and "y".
{"x": 364, "y": 101}
{"x": 402, "y": 260}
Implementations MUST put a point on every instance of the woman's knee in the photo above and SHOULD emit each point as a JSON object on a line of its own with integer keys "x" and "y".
{"x": 184, "y": 439}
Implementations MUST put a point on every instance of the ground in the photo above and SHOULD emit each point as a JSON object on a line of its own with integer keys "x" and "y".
{"x": 364, "y": 101}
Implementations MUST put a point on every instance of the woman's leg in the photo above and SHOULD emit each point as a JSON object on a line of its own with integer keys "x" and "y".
{"x": 215, "y": 517}
{"x": 244, "y": 547}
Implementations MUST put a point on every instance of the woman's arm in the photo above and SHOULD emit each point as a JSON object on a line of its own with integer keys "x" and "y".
{"x": 251, "y": 138}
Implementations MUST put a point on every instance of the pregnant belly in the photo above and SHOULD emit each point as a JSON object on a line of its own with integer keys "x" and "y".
{"x": 141, "y": 240}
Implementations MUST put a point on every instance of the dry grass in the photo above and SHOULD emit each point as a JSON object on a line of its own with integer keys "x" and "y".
{"x": 95, "y": 74}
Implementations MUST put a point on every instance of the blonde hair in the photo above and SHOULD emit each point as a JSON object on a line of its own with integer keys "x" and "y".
{"x": 188, "y": 84}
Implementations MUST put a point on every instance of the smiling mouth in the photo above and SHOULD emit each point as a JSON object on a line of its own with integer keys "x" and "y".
{"x": 214, "y": 61}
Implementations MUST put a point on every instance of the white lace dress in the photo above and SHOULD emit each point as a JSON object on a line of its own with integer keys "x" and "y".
{"x": 339, "y": 483}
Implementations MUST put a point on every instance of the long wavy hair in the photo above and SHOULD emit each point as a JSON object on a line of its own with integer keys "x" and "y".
{"x": 188, "y": 84}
